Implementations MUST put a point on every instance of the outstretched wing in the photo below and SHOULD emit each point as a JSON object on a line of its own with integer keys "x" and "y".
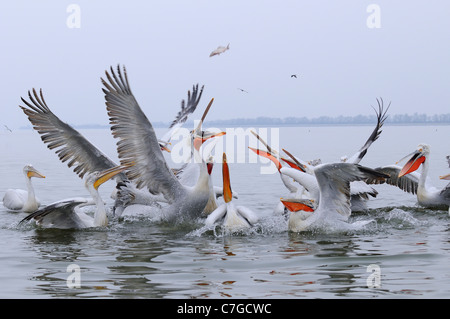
{"x": 183, "y": 114}
{"x": 59, "y": 215}
{"x": 334, "y": 184}
{"x": 67, "y": 142}
{"x": 407, "y": 183}
{"x": 137, "y": 145}
{"x": 381, "y": 117}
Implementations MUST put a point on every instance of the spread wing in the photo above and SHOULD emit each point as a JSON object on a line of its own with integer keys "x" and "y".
{"x": 407, "y": 183}
{"x": 183, "y": 114}
{"x": 137, "y": 143}
{"x": 334, "y": 184}
{"x": 67, "y": 142}
{"x": 60, "y": 214}
{"x": 381, "y": 117}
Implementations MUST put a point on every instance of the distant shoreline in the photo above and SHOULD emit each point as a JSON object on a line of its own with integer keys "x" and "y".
{"x": 395, "y": 119}
{"x": 214, "y": 124}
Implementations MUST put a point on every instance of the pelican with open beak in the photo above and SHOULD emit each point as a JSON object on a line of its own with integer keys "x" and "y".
{"x": 23, "y": 200}
{"x": 427, "y": 195}
{"x": 232, "y": 217}
{"x": 67, "y": 214}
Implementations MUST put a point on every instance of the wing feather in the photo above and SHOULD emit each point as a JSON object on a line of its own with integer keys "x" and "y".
{"x": 137, "y": 143}
{"x": 67, "y": 142}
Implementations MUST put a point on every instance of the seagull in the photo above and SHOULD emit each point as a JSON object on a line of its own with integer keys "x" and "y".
{"x": 23, "y": 200}
{"x": 242, "y": 90}
{"x": 219, "y": 50}
{"x": 294, "y": 76}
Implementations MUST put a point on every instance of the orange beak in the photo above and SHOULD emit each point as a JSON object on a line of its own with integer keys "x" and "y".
{"x": 296, "y": 205}
{"x": 227, "y": 194}
{"x": 413, "y": 163}
{"x": 198, "y": 141}
{"x": 267, "y": 155}
{"x": 292, "y": 164}
{"x": 445, "y": 177}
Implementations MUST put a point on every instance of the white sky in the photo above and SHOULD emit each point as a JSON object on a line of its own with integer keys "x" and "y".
{"x": 341, "y": 63}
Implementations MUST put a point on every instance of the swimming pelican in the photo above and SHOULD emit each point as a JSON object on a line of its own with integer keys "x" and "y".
{"x": 333, "y": 209}
{"x": 219, "y": 50}
{"x": 23, "y": 200}
{"x": 232, "y": 217}
{"x": 67, "y": 214}
{"x": 427, "y": 195}
{"x": 360, "y": 191}
{"x": 72, "y": 147}
{"x": 138, "y": 146}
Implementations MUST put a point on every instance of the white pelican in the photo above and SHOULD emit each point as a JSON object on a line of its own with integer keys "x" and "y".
{"x": 72, "y": 147}
{"x": 219, "y": 50}
{"x": 232, "y": 217}
{"x": 360, "y": 191}
{"x": 67, "y": 214}
{"x": 23, "y": 200}
{"x": 138, "y": 146}
{"x": 427, "y": 195}
{"x": 333, "y": 209}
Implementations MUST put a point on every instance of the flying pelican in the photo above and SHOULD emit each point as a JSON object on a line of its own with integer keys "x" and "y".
{"x": 427, "y": 195}
{"x": 67, "y": 214}
{"x": 333, "y": 209}
{"x": 219, "y": 50}
{"x": 138, "y": 146}
{"x": 232, "y": 217}
{"x": 23, "y": 200}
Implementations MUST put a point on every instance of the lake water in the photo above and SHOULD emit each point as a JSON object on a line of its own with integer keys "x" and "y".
{"x": 406, "y": 254}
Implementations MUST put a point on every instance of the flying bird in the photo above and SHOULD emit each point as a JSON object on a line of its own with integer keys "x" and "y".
{"x": 294, "y": 76}
{"x": 219, "y": 50}
{"x": 242, "y": 90}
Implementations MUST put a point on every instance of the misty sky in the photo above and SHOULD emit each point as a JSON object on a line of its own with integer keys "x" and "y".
{"x": 342, "y": 64}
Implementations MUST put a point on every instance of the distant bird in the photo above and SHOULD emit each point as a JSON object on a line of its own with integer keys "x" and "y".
{"x": 219, "y": 50}
{"x": 7, "y": 128}
{"x": 294, "y": 76}
{"x": 242, "y": 90}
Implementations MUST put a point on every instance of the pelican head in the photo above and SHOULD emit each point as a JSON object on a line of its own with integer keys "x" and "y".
{"x": 30, "y": 171}
{"x": 95, "y": 179}
{"x": 415, "y": 159}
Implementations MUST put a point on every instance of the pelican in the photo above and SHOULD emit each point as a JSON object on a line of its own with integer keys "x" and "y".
{"x": 138, "y": 146}
{"x": 232, "y": 217}
{"x": 23, "y": 200}
{"x": 427, "y": 195}
{"x": 333, "y": 209}
{"x": 68, "y": 214}
{"x": 219, "y": 50}
{"x": 72, "y": 147}
{"x": 302, "y": 172}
